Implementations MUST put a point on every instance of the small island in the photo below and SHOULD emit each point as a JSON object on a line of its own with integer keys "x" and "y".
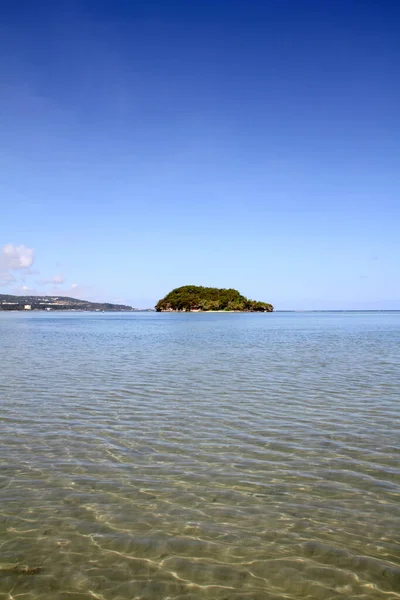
{"x": 194, "y": 298}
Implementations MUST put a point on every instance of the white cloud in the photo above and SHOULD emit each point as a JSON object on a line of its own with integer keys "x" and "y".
{"x": 13, "y": 258}
{"x": 74, "y": 286}
{"x": 16, "y": 257}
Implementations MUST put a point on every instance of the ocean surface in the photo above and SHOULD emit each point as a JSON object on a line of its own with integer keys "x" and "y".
{"x": 199, "y": 456}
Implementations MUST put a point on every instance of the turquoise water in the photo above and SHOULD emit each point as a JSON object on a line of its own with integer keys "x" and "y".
{"x": 188, "y": 456}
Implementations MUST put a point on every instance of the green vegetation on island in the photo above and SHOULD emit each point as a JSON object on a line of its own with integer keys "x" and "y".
{"x": 198, "y": 298}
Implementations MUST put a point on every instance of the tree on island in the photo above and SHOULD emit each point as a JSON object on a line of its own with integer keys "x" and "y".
{"x": 194, "y": 297}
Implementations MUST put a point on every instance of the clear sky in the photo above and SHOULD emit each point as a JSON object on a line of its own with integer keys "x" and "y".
{"x": 249, "y": 144}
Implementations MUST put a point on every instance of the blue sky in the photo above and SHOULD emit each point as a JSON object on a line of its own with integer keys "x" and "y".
{"x": 146, "y": 145}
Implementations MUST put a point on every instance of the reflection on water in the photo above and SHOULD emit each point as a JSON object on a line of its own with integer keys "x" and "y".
{"x": 219, "y": 456}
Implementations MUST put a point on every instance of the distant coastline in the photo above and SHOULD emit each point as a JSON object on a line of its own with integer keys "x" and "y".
{"x": 58, "y": 303}
{"x": 12, "y": 303}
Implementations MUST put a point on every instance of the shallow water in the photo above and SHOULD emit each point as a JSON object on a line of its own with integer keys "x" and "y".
{"x": 189, "y": 456}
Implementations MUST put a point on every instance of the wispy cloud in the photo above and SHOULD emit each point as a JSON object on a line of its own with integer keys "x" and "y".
{"x": 76, "y": 290}
{"x": 6, "y": 278}
{"x": 23, "y": 290}
{"x": 55, "y": 280}
{"x": 14, "y": 258}
{"x": 18, "y": 276}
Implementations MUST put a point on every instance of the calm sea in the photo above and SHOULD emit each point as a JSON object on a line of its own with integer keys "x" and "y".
{"x": 189, "y": 456}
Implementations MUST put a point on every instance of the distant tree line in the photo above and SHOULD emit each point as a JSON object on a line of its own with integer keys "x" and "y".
{"x": 193, "y": 297}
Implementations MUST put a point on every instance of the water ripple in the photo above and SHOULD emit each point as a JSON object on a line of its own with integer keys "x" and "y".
{"x": 200, "y": 456}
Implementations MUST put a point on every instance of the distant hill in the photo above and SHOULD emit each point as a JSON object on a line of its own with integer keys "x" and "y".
{"x": 8, "y": 302}
{"x": 198, "y": 298}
